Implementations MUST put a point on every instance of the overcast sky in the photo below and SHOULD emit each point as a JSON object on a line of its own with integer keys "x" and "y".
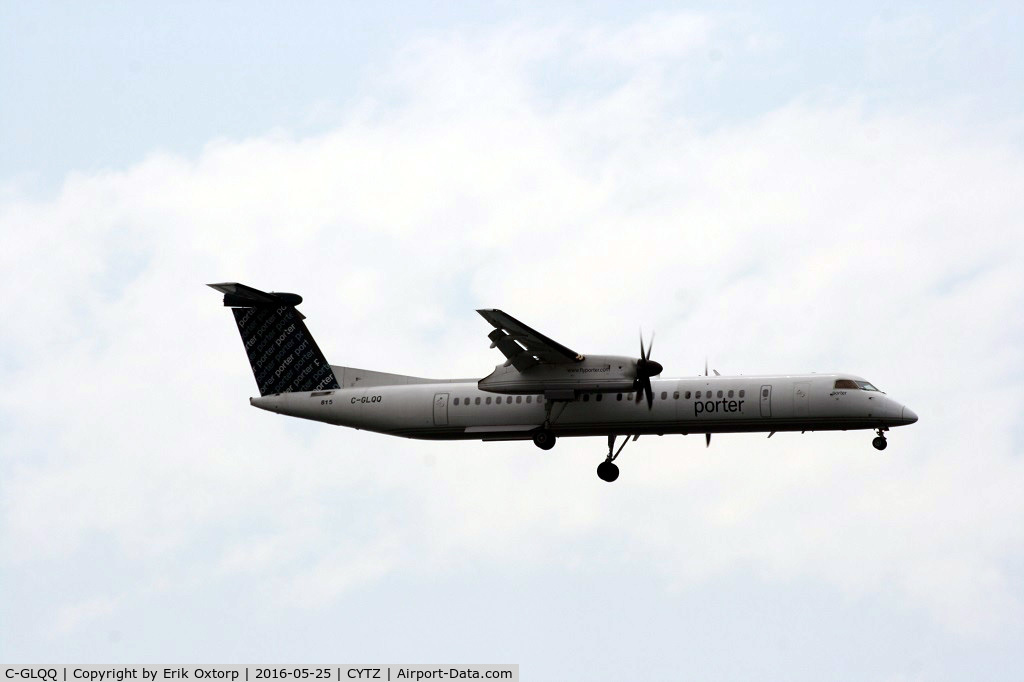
{"x": 800, "y": 189}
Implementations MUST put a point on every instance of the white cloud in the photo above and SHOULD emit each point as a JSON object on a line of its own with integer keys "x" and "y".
{"x": 812, "y": 238}
{"x": 659, "y": 37}
{"x": 73, "y": 616}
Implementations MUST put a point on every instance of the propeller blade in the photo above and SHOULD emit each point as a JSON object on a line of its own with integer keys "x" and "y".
{"x": 705, "y": 366}
{"x": 707, "y": 438}
{"x": 644, "y": 390}
{"x": 645, "y": 369}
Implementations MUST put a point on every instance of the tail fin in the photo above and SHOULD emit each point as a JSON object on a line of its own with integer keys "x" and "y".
{"x": 282, "y": 352}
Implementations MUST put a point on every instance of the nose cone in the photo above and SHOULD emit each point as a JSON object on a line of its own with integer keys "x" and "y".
{"x": 909, "y": 416}
{"x": 648, "y": 368}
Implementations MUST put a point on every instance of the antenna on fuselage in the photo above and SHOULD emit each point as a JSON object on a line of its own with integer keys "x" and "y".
{"x": 717, "y": 374}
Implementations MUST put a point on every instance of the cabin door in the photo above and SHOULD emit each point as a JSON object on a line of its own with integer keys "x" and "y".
{"x": 766, "y": 401}
{"x": 440, "y": 409}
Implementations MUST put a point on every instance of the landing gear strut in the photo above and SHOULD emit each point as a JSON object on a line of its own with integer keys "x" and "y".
{"x": 608, "y": 470}
{"x": 879, "y": 442}
{"x": 544, "y": 439}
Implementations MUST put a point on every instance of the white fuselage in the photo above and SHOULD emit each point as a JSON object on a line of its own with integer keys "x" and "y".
{"x": 460, "y": 410}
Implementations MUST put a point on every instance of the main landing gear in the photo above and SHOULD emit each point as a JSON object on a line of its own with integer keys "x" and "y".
{"x": 608, "y": 470}
{"x": 544, "y": 439}
{"x": 879, "y": 442}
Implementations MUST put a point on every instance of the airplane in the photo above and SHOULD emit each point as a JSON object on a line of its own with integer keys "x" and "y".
{"x": 541, "y": 392}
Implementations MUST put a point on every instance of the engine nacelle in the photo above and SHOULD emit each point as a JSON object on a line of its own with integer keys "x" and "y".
{"x": 594, "y": 374}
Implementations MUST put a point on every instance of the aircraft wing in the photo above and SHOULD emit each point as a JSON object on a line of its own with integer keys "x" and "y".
{"x": 525, "y": 347}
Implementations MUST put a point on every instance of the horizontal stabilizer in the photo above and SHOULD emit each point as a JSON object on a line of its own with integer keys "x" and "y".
{"x": 241, "y": 296}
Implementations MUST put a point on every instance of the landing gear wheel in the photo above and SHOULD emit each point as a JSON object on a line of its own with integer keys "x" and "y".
{"x": 544, "y": 439}
{"x": 607, "y": 471}
{"x": 880, "y": 443}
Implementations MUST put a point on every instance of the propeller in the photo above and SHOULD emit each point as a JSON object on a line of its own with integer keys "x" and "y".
{"x": 645, "y": 369}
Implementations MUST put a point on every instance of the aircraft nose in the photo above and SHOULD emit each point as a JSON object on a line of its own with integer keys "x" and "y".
{"x": 909, "y": 416}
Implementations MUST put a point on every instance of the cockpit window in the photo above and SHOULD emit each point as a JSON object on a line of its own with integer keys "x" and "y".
{"x": 846, "y": 383}
{"x": 866, "y": 386}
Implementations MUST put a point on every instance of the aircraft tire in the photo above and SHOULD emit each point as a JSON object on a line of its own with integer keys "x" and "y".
{"x": 544, "y": 439}
{"x": 607, "y": 471}
{"x": 880, "y": 443}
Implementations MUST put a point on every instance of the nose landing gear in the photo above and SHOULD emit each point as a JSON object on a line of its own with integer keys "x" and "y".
{"x": 608, "y": 470}
{"x": 880, "y": 442}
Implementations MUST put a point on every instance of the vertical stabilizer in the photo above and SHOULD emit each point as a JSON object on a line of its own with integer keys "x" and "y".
{"x": 283, "y": 355}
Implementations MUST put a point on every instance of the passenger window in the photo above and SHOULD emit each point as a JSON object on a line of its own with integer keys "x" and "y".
{"x": 675, "y": 395}
{"x": 729, "y": 395}
{"x": 488, "y": 400}
{"x": 529, "y": 399}
{"x": 764, "y": 393}
{"x": 845, "y": 383}
{"x": 465, "y": 401}
{"x": 599, "y": 396}
{"x": 687, "y": 396}
{"x": 618, "y": 396}
{"x": 629, "y": 397}
{"x": 742, "y": 393}
{"x": 519, "y": 399}
{"x": 698, "y": 394}
{"x": 476, "y": 401}
{"x": 540, "y": 399}
{"x": 664, "y": 395}
{"x": 456, "y": 401}
{"x": 719, "y": 394}
{"x": 508, "y": 400}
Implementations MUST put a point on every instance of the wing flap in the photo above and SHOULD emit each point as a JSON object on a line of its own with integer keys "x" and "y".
{"x": 523, "y": 346}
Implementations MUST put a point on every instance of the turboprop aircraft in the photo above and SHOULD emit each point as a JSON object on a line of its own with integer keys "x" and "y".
{"x": 541, "y": 392}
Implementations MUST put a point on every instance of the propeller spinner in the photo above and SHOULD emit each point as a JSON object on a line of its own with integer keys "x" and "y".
{"x": 645, "y": 369}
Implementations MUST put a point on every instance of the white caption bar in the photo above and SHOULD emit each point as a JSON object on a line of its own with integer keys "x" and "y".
{"x": 256, "y": 673}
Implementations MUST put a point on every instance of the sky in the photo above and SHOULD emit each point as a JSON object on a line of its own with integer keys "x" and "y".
{"x": 789, "y": 189}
